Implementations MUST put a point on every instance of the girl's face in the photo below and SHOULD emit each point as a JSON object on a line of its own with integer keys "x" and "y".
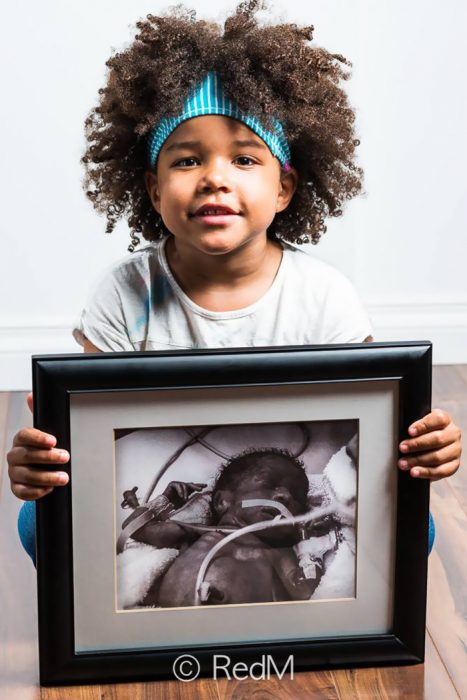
{"x": 217, "y": 185}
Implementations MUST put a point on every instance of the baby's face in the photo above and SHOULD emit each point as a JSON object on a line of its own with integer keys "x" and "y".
{"x": 274, "y": 479}
{"x": 217, "y": 185}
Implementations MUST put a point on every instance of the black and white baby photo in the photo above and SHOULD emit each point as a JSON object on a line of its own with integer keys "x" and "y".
{"x": 235, "y": 514}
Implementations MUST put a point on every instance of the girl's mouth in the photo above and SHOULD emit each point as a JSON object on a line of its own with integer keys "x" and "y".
{"x": 215, "y": 215}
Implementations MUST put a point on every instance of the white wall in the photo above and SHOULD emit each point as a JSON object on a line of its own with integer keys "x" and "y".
{"x": 403, "y": 243}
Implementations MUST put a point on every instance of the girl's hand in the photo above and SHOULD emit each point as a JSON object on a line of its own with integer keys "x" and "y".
{"x": 31, "y": 446}
{"x": 433, "y": 449}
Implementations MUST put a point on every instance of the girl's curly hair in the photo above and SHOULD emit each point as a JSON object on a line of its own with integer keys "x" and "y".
{"x": 269, "y": 70}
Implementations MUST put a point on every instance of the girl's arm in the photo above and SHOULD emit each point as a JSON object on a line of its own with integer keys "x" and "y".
{"x": 433, "y": 447}
{"x": 89, "y": 347}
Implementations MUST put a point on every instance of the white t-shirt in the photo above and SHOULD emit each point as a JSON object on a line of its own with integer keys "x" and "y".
{"x": 138, "y": 305}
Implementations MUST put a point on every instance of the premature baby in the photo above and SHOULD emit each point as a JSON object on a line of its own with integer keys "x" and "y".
{"x": 255, "y": 567}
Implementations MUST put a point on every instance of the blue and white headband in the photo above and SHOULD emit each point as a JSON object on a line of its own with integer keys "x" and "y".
{"x": 209, "y": 98}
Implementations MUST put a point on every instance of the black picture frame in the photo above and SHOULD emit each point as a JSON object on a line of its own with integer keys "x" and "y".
{"x": 57, "y": 377}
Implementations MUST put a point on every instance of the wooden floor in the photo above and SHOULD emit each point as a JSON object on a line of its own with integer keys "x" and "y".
{"x": 443, "y": 676}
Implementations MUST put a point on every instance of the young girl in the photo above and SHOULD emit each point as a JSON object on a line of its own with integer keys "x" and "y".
{"x": 222, "y": 148}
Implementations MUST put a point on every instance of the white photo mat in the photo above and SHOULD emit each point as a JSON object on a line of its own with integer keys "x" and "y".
{"x": 93, "y": 418}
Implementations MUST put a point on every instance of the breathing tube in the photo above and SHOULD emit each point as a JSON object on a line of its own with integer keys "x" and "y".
{"x": 202, "y": 586}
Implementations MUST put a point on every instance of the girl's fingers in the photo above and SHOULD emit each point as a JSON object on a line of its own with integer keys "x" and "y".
{"x": 19, "y": 456}
{"x": 29, "y": 493}
{"x": 29, "y": 476}
{"x": 436, "y": 420}
{"x": 431, "y": 459}
{"x": 29, "y": 401}
{"x": 31, "y": 437}
{"x": 435, "y": 473}
{"x": 431, "y": 441}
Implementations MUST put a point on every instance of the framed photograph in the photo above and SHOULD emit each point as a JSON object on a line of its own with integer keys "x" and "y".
{"x": 231, "y": 504}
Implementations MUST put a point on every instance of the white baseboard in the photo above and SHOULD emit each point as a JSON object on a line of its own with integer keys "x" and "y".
{"x": 19, "y": 342}
{"x": 445, "y": 324}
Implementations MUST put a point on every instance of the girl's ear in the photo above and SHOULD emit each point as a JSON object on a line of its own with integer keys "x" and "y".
{"x": 221, "y": 502}
{"x": 152, "y": 187}
{"x": 287, "y": 186}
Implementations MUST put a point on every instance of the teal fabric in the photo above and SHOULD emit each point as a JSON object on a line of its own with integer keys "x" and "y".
{"x": 431, "y": 533}
{"x": 27, "y": 528}
{"x": 209, "y": 98}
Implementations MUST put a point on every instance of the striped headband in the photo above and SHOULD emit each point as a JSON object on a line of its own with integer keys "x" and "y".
{"x": 209, "y": 98}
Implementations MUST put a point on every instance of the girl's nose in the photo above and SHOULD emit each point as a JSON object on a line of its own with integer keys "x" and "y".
{"x": 214, "y": 177}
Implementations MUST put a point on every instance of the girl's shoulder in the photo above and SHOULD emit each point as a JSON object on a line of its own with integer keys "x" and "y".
{"x": 132, "y": 270}
{"x": 117, "y": 307}
{"x": 309, "y": 272}
{"x": 327, "y": 300}
{"x": 136, "y": 263}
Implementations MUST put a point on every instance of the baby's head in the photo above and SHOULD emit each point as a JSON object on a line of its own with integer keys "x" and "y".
{"x": 271, "y": 475}
{"x": 273, "y": 76}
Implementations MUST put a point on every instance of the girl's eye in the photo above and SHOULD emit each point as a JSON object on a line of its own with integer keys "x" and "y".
{"x": 186, "y": 162}
{"x": 245, "y": 160}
